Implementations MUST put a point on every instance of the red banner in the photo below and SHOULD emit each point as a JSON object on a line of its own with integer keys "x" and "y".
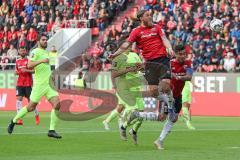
{"x": 204, "y": 104}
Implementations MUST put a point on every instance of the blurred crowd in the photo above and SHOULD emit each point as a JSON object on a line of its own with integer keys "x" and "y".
{"x": 184, "y": 21}
{"x": 187, "y": 21}
{"x": 21, "y": 21}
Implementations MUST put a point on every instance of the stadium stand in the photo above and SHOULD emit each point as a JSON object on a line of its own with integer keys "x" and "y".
{"x": 187, "y": 21}
{"x": 183, "y": 21}
{"x": 22, "y": 20}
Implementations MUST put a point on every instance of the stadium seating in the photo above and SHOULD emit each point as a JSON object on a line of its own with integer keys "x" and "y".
{"x": 190, "y": 21}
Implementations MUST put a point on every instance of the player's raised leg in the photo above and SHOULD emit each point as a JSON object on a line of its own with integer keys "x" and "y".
{"x": 115, "y": 113}
{"x": 172, "y": 118}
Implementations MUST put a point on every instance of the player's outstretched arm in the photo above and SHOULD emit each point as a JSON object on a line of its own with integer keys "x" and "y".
{"x": 28, "y": 70}
{"x": 121, "y": 49}
{"x": 187, "y": 77}
{"x": 117, "y": 73}
{"x": 168, "y": 45}
{"x": 32, "y": 64}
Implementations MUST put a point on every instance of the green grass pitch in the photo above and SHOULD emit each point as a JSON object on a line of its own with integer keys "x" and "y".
{"x": 216, "y": 138}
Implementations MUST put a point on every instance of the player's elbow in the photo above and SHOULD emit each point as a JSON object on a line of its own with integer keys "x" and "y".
{"x": 30, "y": 65}
{"x": 114, "y": 75}
{"x": 189, "y": 78}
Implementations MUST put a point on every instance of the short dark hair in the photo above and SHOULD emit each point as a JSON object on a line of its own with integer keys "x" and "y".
{"x": 179, "y": 47}
{"x": 22, "y": 47}
{"x": 141, "y": 13}
{"x": 40, "y": 36}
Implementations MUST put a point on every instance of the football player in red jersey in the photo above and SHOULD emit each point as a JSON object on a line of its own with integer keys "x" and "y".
{"x": 155, "y": 49}
{"x": 24, "y": 82}
{"x": 181, "y": 71}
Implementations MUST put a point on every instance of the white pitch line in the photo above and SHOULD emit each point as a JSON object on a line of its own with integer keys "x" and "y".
{"x": 233, "y": 147}
{"x": 113, "y": 131}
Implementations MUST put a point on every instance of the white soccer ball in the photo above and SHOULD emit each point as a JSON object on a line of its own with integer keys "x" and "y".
{"x": 216, "y": 25}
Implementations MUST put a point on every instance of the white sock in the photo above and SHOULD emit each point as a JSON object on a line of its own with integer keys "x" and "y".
{"x": 151, "y": 116}
{"x": 166, "y": 130}
{"x": 36, "y": 112}
{"x": 18, "y": 105}
{"x": 167, "y": 98}
{"x": 120, "y": 121}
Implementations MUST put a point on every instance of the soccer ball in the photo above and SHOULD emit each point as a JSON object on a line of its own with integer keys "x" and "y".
{"x": 216, "y": 25}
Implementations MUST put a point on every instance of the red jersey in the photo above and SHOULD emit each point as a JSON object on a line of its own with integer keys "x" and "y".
{"x": 149, "y": 40}
{"x": 179, "y": 70}
{"x": 24, "y": 78}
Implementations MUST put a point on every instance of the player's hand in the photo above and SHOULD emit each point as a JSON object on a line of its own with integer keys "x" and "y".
{"x": 175, "y": 76}
{"x": 24, "y": 70}
{"x": 132, "y": 69}
{"x": 110, "y": 57}
{"x": 46, "y": 60}
{"x": 171, "y": 53}
{"x": 140, "y": 66}
{"x": 114, "y": 89}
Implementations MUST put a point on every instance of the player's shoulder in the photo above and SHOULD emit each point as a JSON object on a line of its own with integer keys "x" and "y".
{"x": 133, "y": 54}
{"x": 34, "y": 51}
{"x": 18, "y": 60}
{"x": 137, "y": 29}
{"x": 157, "y": 26}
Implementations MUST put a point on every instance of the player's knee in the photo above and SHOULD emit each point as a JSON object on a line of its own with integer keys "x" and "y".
{"x": 19, "y": 98}
{"x": 162, "y": 117}
{"x": 57, "y": 106}
{"x": 174, "y": 119}
{"x": 165, "y": 86}
{"x": 154, "y": 93}
{"x": 31, "y": 108}
{"x": 120, "y": 108}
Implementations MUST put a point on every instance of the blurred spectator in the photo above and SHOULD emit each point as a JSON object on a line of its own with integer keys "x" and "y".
{"x": 14, "y": 41}
{"x": 93, "y": 13}
{"x": 238, "y": 63}
{"x": 96, "y": 50}
{"x": 95, "y": 64}
{"x": 4, "y": 48}
{"x": 114, "y": 34}
{"x": 156, "y": 16}
{"x": 171, "y": 24}
{"x": 61, "y": 7}
{"x": 4, "y": 61}
{"x": 32, "y": 37}
{"x": 125, "y": 23}
{"x": 227, "y": 50}
{"x": 42, "y": 25}
{"x": 112, "y": 10}
{"x": 57, "y": 26}
{"x": 105, "y": 55}
{"x": 23, "y": 42}
{"x": 229, "y": 62}
{"x": 52, "y": 55}
{"x": 102, "y": 17}
{"x": 12, "y": 54}
{"x": 4, "y": 9}
{"x": 236, "y": 32}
